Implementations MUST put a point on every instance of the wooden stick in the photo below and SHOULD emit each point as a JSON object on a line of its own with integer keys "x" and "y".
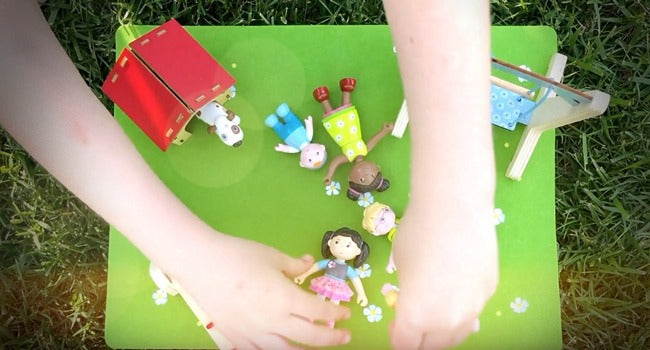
{"x": 512, "y": 87}
{"x": 508, "y": 67}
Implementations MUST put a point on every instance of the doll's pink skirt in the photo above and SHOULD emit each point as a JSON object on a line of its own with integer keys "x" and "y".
{"x": 332, "y": 288}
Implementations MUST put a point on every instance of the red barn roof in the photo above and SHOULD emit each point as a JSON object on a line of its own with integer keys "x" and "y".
{"x": 165, "y": 77}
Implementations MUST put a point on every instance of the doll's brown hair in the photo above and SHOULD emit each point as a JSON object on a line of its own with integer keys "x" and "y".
{"x": 352, "y": 234}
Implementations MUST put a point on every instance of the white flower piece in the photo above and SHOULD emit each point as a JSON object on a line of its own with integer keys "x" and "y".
{"x": 338, "y": 137}
{"x": 373, "y": 313}
{"x": 340, "y": 124}
{"x": 364, "y": 271}
{"x": 328, "y": 125}
{"x": 333, "y": 189}
{"x": 519, "y": 305}
{"x": 499, "y": 216}
{"x": 365, "y": 199}
{"x": 159, "y": 297}
{"x": 353, "y": 130}
{"x": 351, "y": 116}
{"x": 523, "y": 66}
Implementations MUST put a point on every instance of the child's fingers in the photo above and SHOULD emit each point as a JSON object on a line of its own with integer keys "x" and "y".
{"x": 439, "y": 340}
{"x": 312, "y": 307}
{"x": 239, "y": 341}
{"x": 274, "y": 341}
{"x": 405, "y": 336}
{"x": 312, "y": 334}
{"x": 292, "y": 267}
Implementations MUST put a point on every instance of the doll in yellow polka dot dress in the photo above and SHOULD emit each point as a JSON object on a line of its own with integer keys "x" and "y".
{"x": 345, "y": 129}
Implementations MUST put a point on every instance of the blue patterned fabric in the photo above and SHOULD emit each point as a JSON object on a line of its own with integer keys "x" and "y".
{"x": 508, "y": 108}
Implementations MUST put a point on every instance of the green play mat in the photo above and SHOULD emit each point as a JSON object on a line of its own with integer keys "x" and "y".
{"x": 255, "y": 192}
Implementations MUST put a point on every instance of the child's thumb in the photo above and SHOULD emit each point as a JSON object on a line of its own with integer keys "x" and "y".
{"x": 293, "y": 267}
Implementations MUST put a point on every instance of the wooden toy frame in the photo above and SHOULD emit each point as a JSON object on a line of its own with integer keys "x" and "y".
{"x": 562, "y": 105}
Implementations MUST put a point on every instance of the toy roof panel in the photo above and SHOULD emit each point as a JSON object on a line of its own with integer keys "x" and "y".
{"x": 183, "y": 64}
{"x": 145, "y": 99}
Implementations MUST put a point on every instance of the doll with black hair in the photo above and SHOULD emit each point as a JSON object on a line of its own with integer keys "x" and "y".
{"x": 338, "y": 247}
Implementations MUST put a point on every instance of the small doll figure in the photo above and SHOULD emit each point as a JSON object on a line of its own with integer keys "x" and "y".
{"x": 344, "y": 127}
{"x": 379, "y": 219}
{"x": 337, "y": 247}
{"x": 223, "y": 122}
{"x": 296, "y": 137}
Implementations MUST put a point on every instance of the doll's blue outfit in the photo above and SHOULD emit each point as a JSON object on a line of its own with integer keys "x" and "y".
{"x": 292, "y": 132}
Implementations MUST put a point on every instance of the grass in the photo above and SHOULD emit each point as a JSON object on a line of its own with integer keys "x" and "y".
{"x": 53, "y": 248}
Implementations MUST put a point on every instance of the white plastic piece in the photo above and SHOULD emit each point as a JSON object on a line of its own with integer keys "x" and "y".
{"x": 161, "y": 280}
{"x": 172, "y": 287}
{"x": 401, "y": 122}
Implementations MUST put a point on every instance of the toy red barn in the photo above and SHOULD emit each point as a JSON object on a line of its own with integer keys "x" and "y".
{"x": 162, "y": 79}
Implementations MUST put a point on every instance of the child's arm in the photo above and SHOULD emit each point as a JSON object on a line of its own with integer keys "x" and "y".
{"x": 47, "y": 107}
{"x": 446, "y": 246}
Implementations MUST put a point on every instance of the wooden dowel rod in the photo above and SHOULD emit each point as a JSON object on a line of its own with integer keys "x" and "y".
{"x": 511, "y": 67}
{"x": 512, "y": 87}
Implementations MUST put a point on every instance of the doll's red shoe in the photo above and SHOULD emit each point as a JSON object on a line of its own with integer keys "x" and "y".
{"x": 321, "y": 93}
{"x": 348, "y": 84}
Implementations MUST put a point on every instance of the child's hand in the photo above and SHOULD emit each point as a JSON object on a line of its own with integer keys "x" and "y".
{"x": 247, "y": 290}
{"x": 448, "y": 271}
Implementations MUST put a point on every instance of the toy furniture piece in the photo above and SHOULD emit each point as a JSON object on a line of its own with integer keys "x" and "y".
{"x": 559, "y": 105}
{"x": 163, "y": 79}
{"x": 259, "y": 194}
{"x": 563, "y": 105}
